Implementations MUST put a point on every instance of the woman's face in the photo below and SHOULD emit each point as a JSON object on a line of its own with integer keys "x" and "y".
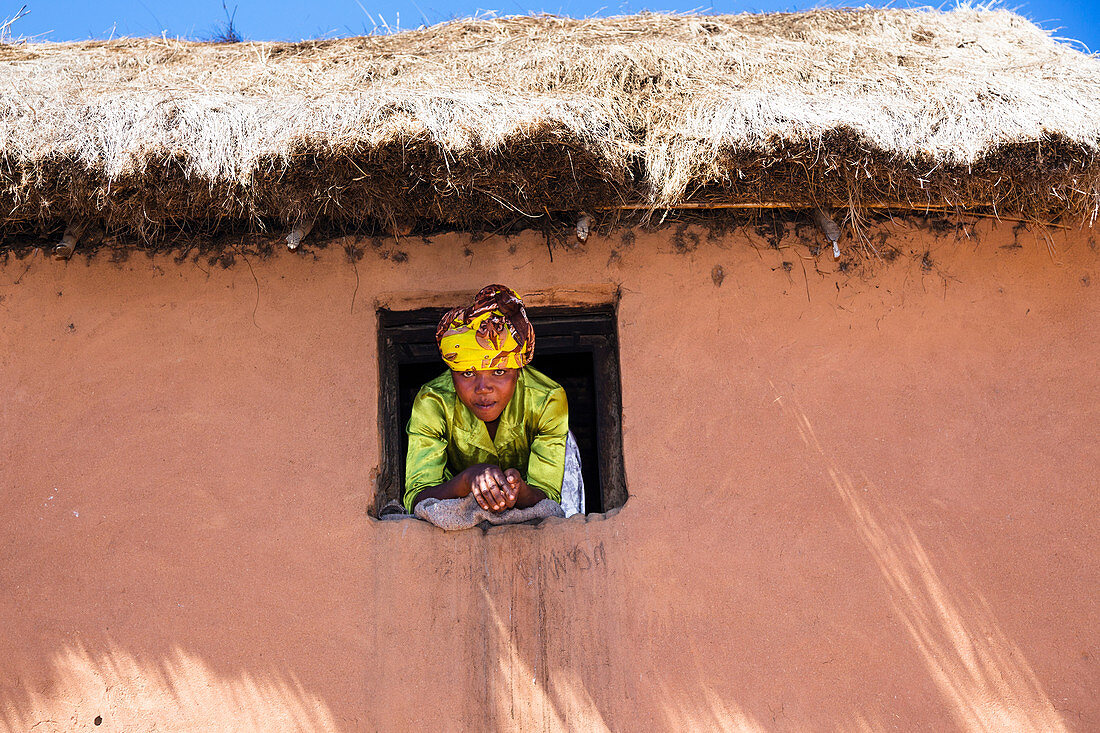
{"x": 486, "y": 392}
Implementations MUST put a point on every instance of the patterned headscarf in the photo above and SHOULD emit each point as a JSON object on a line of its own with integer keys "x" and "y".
{"x": 493, "y": 333}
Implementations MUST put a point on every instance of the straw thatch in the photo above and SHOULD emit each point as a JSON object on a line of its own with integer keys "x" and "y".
{"x": 480, "y": 121}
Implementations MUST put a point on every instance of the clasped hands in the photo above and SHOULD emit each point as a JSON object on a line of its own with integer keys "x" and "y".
{"x": 493, "y": 489}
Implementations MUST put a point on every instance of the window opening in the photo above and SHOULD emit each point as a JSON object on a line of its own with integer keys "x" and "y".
{"x": 576, "y": 347}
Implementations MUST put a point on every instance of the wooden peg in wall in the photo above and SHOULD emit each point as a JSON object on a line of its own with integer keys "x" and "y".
{"x": 64, "y": 249}
{"x": 584, "y": 226}
{"x": 299, "y": 232}
{"x": 829, "y": 228}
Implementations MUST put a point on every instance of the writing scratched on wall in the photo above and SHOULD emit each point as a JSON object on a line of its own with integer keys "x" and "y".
{"x": 560, "y": 563}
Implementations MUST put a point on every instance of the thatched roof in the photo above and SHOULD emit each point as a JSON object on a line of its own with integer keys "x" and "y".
{"x": 481, "y": 121}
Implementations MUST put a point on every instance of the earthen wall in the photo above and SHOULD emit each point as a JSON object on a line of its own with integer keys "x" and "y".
{"x": 860, "y": 499}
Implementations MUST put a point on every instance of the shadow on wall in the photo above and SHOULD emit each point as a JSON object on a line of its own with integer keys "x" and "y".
{"x": 581, "y": 636}
{"x": 115, "y": 690}
{"x": 582, "y": 670}
{"x": 566, "y": 702}
{"x": 981, "y": 673}
{"x": 605, "y": 674}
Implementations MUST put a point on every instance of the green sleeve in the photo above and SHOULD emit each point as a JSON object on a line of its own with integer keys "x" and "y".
{"x": 546, "y": 466}
{"x": 426, "y": 461}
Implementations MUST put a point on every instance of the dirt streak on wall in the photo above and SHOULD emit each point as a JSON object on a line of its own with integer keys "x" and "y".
{"x": 858, "y": 500}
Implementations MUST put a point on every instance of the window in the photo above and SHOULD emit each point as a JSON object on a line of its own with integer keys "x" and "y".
{"x": 576, "y": 347}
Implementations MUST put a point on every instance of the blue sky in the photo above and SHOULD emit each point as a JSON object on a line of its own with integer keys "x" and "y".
{"x": 67, "y": 20}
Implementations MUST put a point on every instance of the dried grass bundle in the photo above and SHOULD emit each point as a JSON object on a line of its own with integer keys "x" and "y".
{"x": 480, "y": 121}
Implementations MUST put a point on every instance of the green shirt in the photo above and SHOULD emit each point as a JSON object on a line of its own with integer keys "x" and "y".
{"x": 445, "y": 438}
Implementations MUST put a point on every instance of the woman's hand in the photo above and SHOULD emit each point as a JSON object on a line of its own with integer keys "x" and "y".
{"x": 493, "y": 489}
{"x": 516, "y": 485}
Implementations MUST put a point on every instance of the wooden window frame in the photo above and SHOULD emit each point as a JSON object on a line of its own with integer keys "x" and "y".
{"x": 408, "y": 336}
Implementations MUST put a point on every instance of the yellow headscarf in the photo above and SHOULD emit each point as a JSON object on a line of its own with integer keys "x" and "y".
{"x": 493, "y": 333}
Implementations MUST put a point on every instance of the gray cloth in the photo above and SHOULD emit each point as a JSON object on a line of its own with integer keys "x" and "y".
{"x": 572, "y": 486}
{"x": 464, "y": 513}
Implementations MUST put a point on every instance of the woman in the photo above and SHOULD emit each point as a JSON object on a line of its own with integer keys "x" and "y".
{"x": 490, "y": 426}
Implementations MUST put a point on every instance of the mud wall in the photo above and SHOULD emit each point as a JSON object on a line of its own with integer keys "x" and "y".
{"x": 859, "y": 500}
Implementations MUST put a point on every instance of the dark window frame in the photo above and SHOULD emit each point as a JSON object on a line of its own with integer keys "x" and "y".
{"x": 408, "y": 337}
